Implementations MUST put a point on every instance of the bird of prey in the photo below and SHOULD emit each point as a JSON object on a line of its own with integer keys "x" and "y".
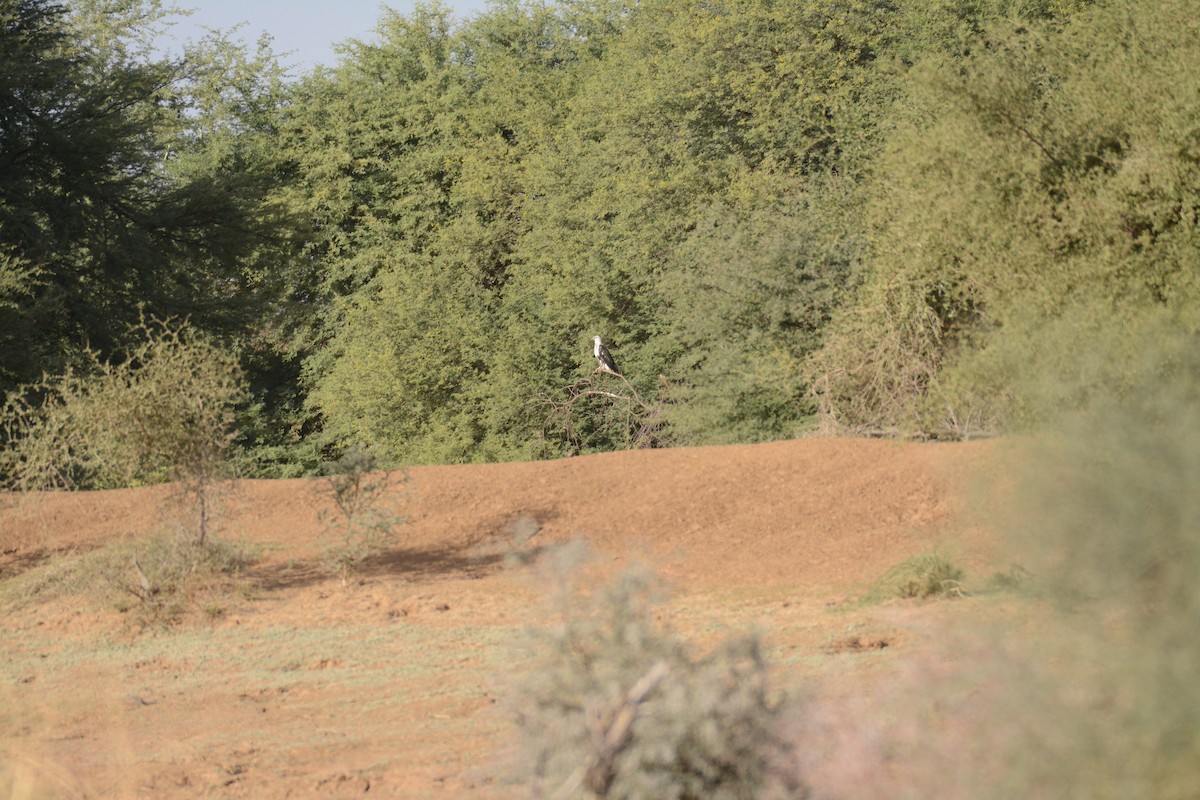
{"x": 604, "y": 357}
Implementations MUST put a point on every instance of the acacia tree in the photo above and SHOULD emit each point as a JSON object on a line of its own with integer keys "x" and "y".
{"x": 73, "y": 180}
{"x": 1037, "y": 207}
{"x": 486, "y": 198}
{"x": 411, "y": 161}
{"x": 163, "y": 413}
{"x": 130, "y": 182}
{"x": 379, "y": 147}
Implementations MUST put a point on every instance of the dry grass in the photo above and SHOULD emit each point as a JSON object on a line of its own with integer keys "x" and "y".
{"x": 156, "y": 580}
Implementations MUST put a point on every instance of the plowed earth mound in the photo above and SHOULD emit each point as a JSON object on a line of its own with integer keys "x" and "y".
{"x": 391, "y": 683}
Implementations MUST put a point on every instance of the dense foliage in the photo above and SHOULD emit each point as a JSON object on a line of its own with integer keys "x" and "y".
{"x": 885, "y": 216}
{"x": 1035, "y": 222}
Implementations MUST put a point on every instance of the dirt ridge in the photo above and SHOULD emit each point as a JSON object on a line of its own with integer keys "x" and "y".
{"x": 388, "y": 683}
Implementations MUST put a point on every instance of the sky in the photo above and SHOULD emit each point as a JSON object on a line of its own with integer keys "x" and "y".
{"x": 306, "y": 28}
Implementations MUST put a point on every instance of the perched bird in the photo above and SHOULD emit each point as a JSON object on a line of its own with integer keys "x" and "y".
{"x": 604, "y": 357}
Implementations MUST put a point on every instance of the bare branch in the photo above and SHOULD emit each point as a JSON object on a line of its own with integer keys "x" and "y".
{"x": 617, "y": 412}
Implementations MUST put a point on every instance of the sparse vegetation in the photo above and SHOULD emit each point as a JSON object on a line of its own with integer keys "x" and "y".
{"x": 162, "y": 414}
{"x": 156, "y": 579}
{"x": 1111, "y": 513}
{"x": 363, "y": 520}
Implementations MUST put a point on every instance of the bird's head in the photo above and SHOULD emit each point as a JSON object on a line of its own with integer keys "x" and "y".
{"x": 596, "y": 338}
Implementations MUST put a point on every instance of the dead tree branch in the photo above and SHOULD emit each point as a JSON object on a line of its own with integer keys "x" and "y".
{"x": 592, "y": 407}
{"x": 611, "y": 731}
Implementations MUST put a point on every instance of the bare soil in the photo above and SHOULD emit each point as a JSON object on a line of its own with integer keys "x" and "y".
{"x": 392, "y": 684}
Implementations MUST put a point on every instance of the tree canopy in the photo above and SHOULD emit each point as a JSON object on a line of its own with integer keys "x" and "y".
{"x": 924, "y": 217}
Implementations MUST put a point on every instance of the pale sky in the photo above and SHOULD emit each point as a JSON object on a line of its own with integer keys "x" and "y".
{"x": 307, "y": 28}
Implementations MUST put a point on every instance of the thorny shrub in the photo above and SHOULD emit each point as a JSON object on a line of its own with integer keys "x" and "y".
{"x": 363, "y": 520}
{"x": 1096, "y": 692}
{"x": 618, "y": 706}
{"x": 164, "y": 413}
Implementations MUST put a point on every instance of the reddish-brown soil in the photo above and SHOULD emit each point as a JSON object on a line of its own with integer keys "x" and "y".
{"x": 391, "y": 684}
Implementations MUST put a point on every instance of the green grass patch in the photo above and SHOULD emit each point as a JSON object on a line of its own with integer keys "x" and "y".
{"x": 921, "y": 577}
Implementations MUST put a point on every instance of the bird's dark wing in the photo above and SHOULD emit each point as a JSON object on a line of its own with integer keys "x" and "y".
{"x": 607, "y": 360}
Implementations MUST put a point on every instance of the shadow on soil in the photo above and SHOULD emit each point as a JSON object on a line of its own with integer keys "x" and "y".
{"x": 411, "y": 564}
{"x": 14, "y": 563}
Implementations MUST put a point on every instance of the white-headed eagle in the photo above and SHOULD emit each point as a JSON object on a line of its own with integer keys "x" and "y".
{"x": 604, "y": 357}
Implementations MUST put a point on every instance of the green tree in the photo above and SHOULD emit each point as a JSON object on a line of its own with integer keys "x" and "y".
{"x": 164, "y": 413}
{"x": 726, "y": 142}
{"x": 486, "y": 198}
{"x": 757, "y": 281}
{"x": 412, "y": 155}
{"x": 227, "y": 151}
{"x": 116, "y": 193}
{"x": 1040, "y": 195}
{"x": 379, "y": 145}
